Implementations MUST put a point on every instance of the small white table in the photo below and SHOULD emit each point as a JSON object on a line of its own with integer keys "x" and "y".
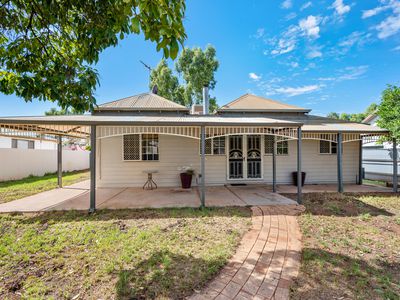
{"x": 150, "y": 184}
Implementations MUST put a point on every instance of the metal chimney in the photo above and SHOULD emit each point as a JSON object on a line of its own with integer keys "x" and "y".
{"x": 206, "y": 101}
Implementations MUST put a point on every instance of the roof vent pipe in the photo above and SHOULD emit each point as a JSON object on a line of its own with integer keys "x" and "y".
{"x": 206, "y": 101}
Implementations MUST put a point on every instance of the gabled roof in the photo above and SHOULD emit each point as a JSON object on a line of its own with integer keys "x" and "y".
{"x": 369, "y": 118}
{"x": 253, "y": 103}
{"x": 142, "y": 102}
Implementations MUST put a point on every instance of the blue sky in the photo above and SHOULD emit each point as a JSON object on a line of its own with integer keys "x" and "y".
{"x": 333, "y": 55}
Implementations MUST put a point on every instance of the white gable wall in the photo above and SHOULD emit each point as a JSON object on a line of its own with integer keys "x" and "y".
{"x": 176, "y": 152}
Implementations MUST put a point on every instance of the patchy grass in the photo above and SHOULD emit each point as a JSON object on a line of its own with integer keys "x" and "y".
{"x": 375, "y": 182}
{"x": 351, "y": 247}
{"x": 17, "y": 189}
{"x": 121, "y": 254}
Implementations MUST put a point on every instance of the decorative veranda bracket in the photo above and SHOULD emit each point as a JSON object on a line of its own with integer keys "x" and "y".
{"x": 193, "y": 131}
{"x": 43, "y": 131}
{"x": 50, "y": 131}
{"x": 186, "y": 131}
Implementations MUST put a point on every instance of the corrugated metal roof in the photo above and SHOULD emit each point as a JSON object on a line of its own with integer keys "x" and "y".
{"x": 249, "y": 102}
{"x": 308, "y": 122}
{"x": 197, "y": 120}
{"x": 144, "y": 102}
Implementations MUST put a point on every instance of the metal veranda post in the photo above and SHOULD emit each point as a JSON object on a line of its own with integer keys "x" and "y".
{"x": 274, "y": 166}
{"x": 395, "y": 176}
{"x": 299, "y": 173}
{"x": 59, "y": 161}
{"x": 360, "y": 166}
{"x": 92, "y": 168}
{"x": 340, "y": 162}
{"x": 203, "y": 166}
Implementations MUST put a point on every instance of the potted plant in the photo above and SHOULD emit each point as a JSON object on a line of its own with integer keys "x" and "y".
{"x": 186, "y": 176}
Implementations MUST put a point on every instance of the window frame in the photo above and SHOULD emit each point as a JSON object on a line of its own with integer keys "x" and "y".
{"x": 15, "y": 142}
{"x": 332, "y": 145}
{"x": 211, "y": 140}
{"x": 280, "y": 140}
{"x": 140, "y": 148}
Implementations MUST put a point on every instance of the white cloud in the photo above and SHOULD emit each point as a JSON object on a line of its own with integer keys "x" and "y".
{"x": 306, "y": 5}
{"x": 391, "y": 24}
{"x": 260, "y": 33}
{"x": 351, "y": 73}
{"x": 372, "y": 12}
{"x": 296, "y": 91}
{"x": 314, "y": 53}
{"x": 294, "y": 64}
{"x": 388, "y": 27}
{"x": 340, "y": 7}
{"x": 396, "y": 48}
{"x": 386, "y": 5}
{"x": 287, "y": 43}
{"x": 254, "y": 76}
{"x": 351, "y": 39}
{"x": 310, "y": 26}
{"x": 287, "y": 4}
{"x": 348, "y": 73}
{"x": 290, "y": 16}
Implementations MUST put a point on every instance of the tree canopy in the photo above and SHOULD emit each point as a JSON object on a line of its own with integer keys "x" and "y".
{"x": 63, "y": 111}
{"x": 48, "y": 47}
{"x": 197, "y": 68}
{"x": 389, "y": 111}
{"x": 357, "y": 117}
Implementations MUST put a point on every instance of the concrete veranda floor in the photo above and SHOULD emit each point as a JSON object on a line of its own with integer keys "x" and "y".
{"x": 77, "y": 197}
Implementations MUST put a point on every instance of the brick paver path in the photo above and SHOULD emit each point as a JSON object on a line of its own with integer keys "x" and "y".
{"x": 267, "y": 260}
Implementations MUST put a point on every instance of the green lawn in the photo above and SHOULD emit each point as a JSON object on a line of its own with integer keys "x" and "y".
{"x": 17, "y": 189}
{"x": 351, "y": 247}
{"x": 122, "y": 254}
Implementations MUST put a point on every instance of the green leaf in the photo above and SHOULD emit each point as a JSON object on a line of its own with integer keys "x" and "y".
{"x": 135, "y": 25}
{"x": 174, "y": 48}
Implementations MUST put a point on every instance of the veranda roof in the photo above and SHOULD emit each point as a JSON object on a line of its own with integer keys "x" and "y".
{"x": 185, "y": 120}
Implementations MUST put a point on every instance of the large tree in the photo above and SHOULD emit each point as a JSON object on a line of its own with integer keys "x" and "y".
{"x": 63, "y": 111}
{"x": 197, "y": 68}
{"x": 357, "y": 117}
{"x": 167, "y": 83}
{"x": 389, "y": 111}
{"x": 48, "y": 47}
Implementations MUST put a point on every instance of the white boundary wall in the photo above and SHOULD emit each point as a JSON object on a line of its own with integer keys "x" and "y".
{"x": 20, "y": 163}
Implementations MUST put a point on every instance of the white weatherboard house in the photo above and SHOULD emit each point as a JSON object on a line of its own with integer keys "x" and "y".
{"x": 247, "y": 141}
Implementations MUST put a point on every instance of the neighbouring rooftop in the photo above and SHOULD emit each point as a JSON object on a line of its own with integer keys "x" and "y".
{"x": 253, "y": 103}
{"x": 142, "y": 102}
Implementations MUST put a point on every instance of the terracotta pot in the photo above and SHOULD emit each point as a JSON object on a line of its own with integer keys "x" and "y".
{"x": 186, "y": 180}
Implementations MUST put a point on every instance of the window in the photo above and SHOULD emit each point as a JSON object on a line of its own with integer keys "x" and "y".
{"x": 22, "y": 144}
{"x": 140, "y": 147}
{"x": 132, "y": 147}
{"x": 149, "y": 147}
{"x": 282, "y": 146}
{"x": 327, "y": 147}
{"x": 215, "y": 146}
{"x": 219, "y": 145}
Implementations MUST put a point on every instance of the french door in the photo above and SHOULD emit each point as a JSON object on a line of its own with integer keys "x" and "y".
{"x": 245, "y": 157}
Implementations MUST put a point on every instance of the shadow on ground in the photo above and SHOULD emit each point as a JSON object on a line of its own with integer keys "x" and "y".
{"x": 130, "y": 214}
{"x": 166, "y": 275}
{"x": 341, "y": 205}
{"x": 327, "y": 275}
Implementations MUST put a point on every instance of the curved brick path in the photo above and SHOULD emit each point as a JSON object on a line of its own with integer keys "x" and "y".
{"x": 267, "y": 260}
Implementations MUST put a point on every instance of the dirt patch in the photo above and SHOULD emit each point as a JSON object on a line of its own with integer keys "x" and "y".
{"x": 351, "y": 247}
